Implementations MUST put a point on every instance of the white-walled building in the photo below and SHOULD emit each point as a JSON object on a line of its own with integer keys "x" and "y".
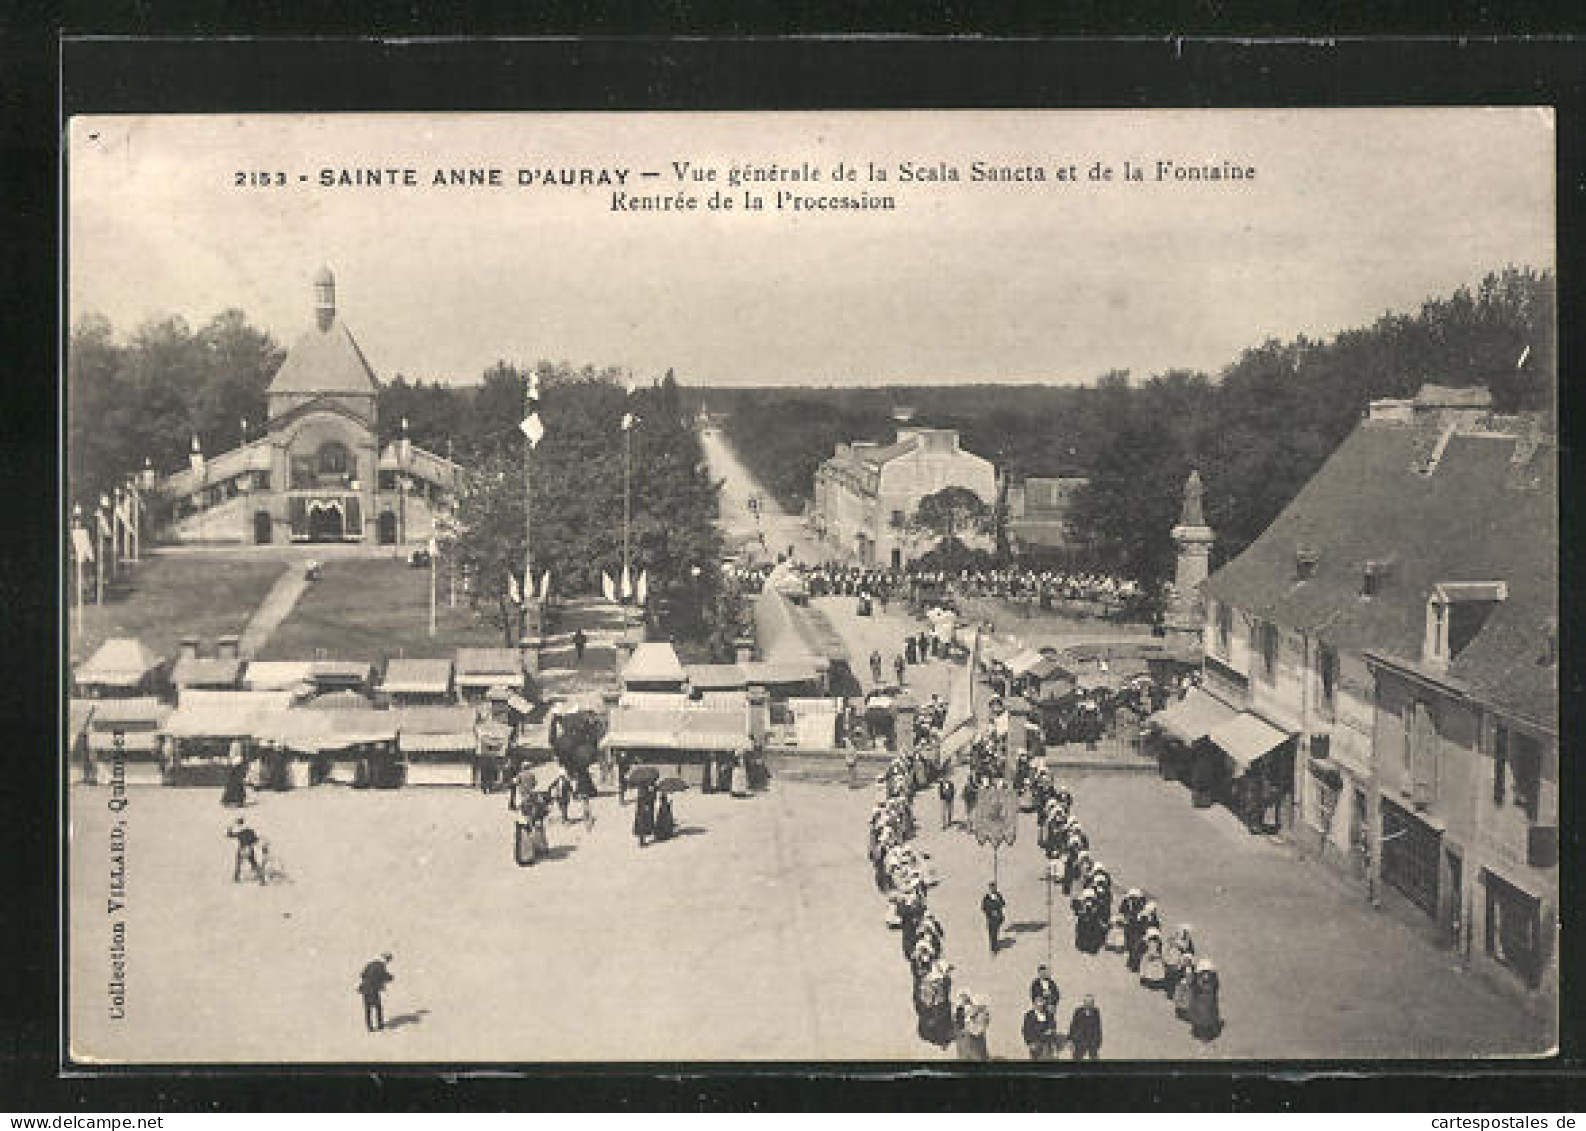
{"x": 867, "y": 491}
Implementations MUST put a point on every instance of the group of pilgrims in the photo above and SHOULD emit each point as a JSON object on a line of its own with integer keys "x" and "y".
{"x": 1130, "y": 925}
{"x": 904, "y": 875}
{"x": 1133, "y": 925}
{"x": 1031, "y": 587}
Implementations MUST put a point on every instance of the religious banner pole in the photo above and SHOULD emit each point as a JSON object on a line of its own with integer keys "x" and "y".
{"x": 78, "y": 537}
{"x": 528, "y": 506}
{"x": 99, "y": 553}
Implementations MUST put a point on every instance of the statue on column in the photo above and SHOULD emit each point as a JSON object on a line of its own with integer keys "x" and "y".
{"x": 1193, "y": 490}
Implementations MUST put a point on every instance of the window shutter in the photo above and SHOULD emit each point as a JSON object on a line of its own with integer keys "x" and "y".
{"x": 1423, "y": 756}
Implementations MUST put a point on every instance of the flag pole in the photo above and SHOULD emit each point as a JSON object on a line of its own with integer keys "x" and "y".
{"x": 528, "y": 505}
{"x": 77, "y": 560}
{"x": 433, "y": 548}
{"x": 627, "y": 509}
{"x": 99, "y": 554}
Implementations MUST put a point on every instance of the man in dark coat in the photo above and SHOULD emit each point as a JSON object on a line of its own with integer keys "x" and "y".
{"x": 246, "y": 840}
{"x": 994, "y": 908}
{"x": 1043, "y": 988}
{"x": 944, "y": 790}
{"x": 1040, "y": 1031}
{"x": 371, "y": 984}
{"x": 644, "y": 814}
{"x": 580, "y": 642}
{"x": 1084, "y": 1030}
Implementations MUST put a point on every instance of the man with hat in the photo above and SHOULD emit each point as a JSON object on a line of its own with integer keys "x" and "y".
{"x": 371, "y": 984}
{"x": 994, "y": 907}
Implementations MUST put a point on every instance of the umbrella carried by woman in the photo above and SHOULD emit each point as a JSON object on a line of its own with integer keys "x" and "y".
{"x": 665, "y": 820}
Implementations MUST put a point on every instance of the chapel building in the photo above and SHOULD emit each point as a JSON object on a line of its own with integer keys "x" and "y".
{"x": 318, "y": 474}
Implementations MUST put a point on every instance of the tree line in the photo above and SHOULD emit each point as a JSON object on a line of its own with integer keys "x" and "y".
{"x": 145, "y": 396}
{"x": 1257, "y": 431}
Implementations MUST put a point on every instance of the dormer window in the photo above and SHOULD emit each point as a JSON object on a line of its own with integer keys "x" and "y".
{"x": 1305, "y": 558}
{"x": 1456, "y": 612}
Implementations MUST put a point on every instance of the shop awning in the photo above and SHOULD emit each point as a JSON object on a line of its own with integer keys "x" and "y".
{"x": 638, "y": 727}
{"x": 1025, "y": 662}
{"x": 142, "y": 713}
{"x": 489, "y": 667}
{"x": 434, "y": 730}
{"x": 782, "y": 671}
{"x": 1193, "y": 717}
{"x": 206, "y": 721}
{"x": 206, "y": 671}
{"x": 132, "y": 742}
{"x": 119, "y": 662}
{"x": 715, "y": 677}
{"x": 313, "y": 731}
{"x": 532, "y": 736}
{"x": 714, "y": 730}
{"x": 1049, "y": 669}
{"x": 417, "y": 677}
{"x": 277, "y": 675}
{"x": 1247, "y": 737}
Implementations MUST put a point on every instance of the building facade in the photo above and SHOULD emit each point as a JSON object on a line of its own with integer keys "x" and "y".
{"x": 867, "y": 492}
{"x": 1398, "y": 621}
{"x": 1038, "y": 513}
{"x": 318, "y": 474}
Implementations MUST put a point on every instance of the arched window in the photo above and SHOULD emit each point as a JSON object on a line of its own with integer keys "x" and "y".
{"x": 334, "y": 459}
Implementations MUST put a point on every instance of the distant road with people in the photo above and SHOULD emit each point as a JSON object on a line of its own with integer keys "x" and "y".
{"x": 739, "y": 520}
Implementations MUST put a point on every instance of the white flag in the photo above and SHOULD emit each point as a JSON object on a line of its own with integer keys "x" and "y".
{"x": 512, "y": 588}
{"x": 533, "y": 429}
{"x": 104, "y": 525}
{"x": 627, "y": 421}
{"x": 627, "y": 584}
{"x": 641, "y": 589}
{"x": 545, "y": 586}
{"x": 607, "y": 588}
{"x": 534, "y": 388}
{"x": 1525, "y": 353}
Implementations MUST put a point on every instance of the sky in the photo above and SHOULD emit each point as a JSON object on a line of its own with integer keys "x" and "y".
{"x": 1350, "y": 213}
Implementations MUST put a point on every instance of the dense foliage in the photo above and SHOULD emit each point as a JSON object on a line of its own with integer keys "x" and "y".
{"x": 147, "y": 396}
{"x": 577, "y": 477}
{"x": 1256, "y": 433}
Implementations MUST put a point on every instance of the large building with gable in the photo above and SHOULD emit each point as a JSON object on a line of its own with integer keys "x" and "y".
{"x": 1386, "y": 652}
{"x": 318, "y": 473}
{"x": 866, "y": 492}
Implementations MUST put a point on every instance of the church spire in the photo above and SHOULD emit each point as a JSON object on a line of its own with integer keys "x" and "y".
{"x": 324, "y": 298}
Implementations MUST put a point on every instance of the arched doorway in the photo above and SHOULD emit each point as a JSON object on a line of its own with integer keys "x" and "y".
{"x": 262, "y": 535}
{"x": 326, "y": 523}
{"x": 388, "y": 528}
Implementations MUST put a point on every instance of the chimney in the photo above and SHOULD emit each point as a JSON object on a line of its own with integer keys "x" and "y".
{"x": 189, "y": 649}
{"x": 324, "y": 299}
{"x": 226, "y": 647}
{"x": 1373, "y": 577}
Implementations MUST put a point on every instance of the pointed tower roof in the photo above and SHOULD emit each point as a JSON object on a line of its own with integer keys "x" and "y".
{"x": 326, "y": 359}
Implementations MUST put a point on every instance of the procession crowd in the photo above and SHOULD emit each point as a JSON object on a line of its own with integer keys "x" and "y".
{"x": 1130, "y": 926}
{"x": 1044, "y": 588}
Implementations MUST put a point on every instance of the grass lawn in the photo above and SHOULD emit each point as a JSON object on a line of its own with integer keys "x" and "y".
{"x": 365, "y": 609}
{"x": 207, "y": 595}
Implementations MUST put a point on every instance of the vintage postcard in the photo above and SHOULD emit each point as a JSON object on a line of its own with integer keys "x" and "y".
{"x": 839, "y": 586}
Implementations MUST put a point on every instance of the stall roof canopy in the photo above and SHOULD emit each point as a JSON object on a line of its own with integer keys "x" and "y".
{"x": 235, "y": 700}
{"x": 1025, "y": 662}
{"x": 782, "y": 671}
{"x": 417, "y": 677}
{"x": 715, "y": 677}
{"x": 714, "y": 730}
{"x": 344, "y": 700}
{"x": 653, "y": 700}
{"x": 1193, "y": 717}
{"x": 120, "y": 662}
{"x": 312, "y": 731}
{"x": 641, "y": 727}
{"x": 1048, "y": 669}
{"x": 341, "y": 671}
{"x": 277, "y": 675}
{"x": 532, "y": 736}
{"x": 655, "y": 662}
{"x": 206, "y": 671}
{"x": 484, "y": 667}
{"x": 210, "y": 721}
{"x": 1247, "y": 737}
{"x": 143, "y": 713}
{"x": 434, "y": 720}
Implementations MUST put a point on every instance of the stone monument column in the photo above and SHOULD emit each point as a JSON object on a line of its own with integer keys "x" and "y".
{"x": 1186, "y": 607}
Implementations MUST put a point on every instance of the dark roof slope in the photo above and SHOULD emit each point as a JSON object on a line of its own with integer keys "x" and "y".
{"x": 325, "y": 361}
{"x": 1488, "y": 511}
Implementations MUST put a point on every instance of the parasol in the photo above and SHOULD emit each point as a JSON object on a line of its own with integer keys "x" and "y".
{"x": 672, "y": 785}
{"x": 643, "y": 775}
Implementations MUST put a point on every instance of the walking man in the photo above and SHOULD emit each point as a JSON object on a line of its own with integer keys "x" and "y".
{"x": 901, "y": 669}
{"x": 1043, "y": 988}
{"x": 1084, "y": 1031}
{"x": 994, "y": 908}
{"x": 580, "y": 641}
{"x": 1040, "y": 1031}
{"x": 944, "y": 790}
{"x": 875, "y": 667}
{"x": 246, "y": 840}
{"x": 371, "y": 984}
